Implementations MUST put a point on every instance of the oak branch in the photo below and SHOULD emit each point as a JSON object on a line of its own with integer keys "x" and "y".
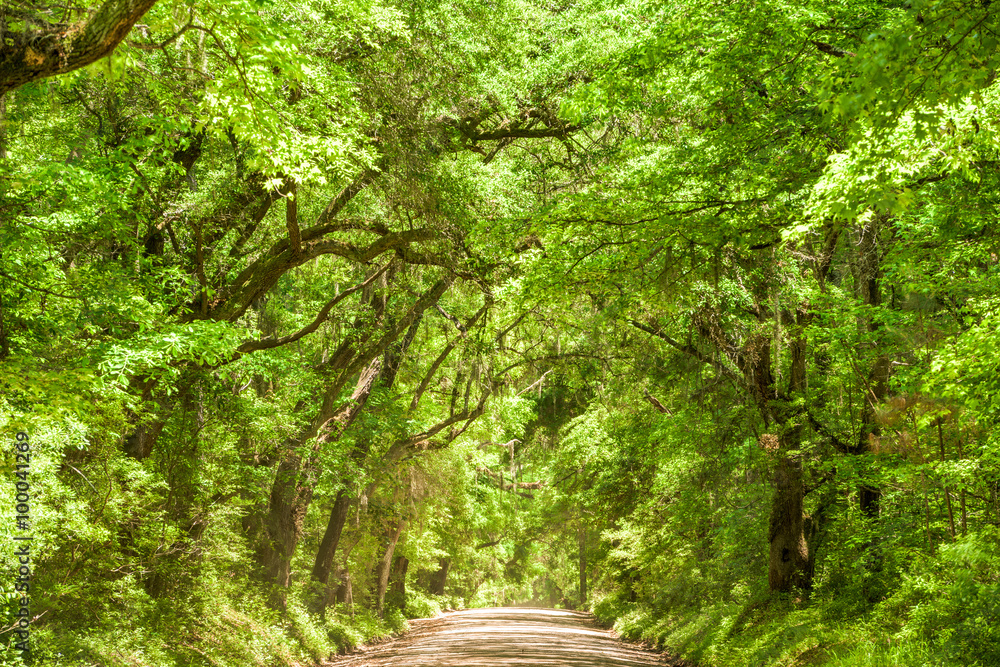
{"x": 41, "y": 49}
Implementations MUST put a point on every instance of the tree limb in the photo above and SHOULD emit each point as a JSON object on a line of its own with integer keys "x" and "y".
{"x": 427, "y": 299}
{"x": 522, "y": 133}
{"x": 655, "y": 403}
{"x": 269, "y": 343}
{"x": 533, "y": 384}
{"x": 337, "y": 204}
{"x": 58, "y": 49}
{"x": 444, "y": 355}
{"x": 832, "y": 50}
{"x": 292, "y": 217}
{"x": 258, "y": 278}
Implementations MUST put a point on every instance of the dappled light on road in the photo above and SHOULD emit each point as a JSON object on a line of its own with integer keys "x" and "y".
{"x": 506, "y": 636}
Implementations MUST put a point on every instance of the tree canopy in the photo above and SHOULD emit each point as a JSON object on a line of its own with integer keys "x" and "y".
{"x": 322, "y": 315}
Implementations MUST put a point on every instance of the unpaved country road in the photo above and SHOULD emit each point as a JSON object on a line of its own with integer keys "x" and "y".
{"x": 505, "y": 636}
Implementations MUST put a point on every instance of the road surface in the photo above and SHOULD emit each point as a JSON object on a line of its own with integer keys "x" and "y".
{"x": 505, "y": 636}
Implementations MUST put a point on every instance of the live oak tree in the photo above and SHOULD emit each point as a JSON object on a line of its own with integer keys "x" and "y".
{"x": 682, "y": 311}
{"x": 728, "y": 197}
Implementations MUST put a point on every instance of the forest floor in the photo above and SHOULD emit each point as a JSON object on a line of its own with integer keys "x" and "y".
{"x": 505, "y": 636}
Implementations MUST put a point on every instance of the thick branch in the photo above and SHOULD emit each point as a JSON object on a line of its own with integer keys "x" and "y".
{"x": 347, "y": 363}
{"x": 337, "y": 204}
{"x": 655, "y": 403}
{"x": 267, "y": 199}
{"x": 523, "y": 133}
{"x": 534, "y": 384}
{"x": 424, "y": 442}
{"x": 269, "y": 343}
{"x": 487, "y": 545}
{"x": 258, "y": 278}
{"x": 292, "y": 218}
{"x": 832, "y": 50}
{"x": 457, "y": 322}
{"x": 59, "y": 49}
{"x": 338, "y": 423}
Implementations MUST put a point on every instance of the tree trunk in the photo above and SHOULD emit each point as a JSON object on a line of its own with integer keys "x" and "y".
{"x": 3, "y": 126}
{"x": 788, "y": 566}
{"x": 139, "y": 444}
{"x": 867, "y": 272}
{"x": 331, "y": 538}
{"x": 965, "y": 512}
{"x": 789, "y": 551}
{"x": 870, "y": 495}
{"x": 927, "y": 517}
{"x": 382, "y": 575}
{"x": 583, "y": 564}
{"x": 439, "y": 578}
{"x": 995, "y": 492}
{"x": 400, "y": 566}
{"x": 392, "y": 359}
{"x": 292, "y": 490}
{"x": 291, "y": 494}
{"x": 345, "y": 591}
{"x": 396, "y": 597}
{"x": 947, "y": 491}
{"x": 341, "y": 589}
{"x": 4, "y": 344}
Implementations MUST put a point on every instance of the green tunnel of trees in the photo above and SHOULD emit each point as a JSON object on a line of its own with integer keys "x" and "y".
{"x": 322, "y": 315}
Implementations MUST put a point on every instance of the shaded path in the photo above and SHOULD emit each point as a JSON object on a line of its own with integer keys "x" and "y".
{"x": 505, "y": 636}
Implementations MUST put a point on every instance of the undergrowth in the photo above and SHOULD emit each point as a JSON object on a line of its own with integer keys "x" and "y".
{"x": 240, "y": 632}
{"x": 942, "y": 611}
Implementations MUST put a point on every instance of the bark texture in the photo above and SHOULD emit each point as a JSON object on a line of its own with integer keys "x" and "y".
{"x": 392, "y": 535}
{"x": 325, "y": 554}
{"x": 56, "y": 48}
{"x": 583, "y": 563}
{"x": 788, "y": 562}
{"x": 396, "y": 596}
{"x": 331, "y": 538}
{"x": 867, "y": 278}
{"x": 292, "y": 490}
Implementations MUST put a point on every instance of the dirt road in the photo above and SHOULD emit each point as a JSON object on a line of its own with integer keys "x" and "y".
{"x": 505, "y": 636}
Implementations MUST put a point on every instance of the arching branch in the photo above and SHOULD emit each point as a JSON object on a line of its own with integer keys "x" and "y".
{"x": 60, "y": 48}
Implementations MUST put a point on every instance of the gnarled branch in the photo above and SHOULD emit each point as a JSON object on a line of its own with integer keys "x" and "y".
{"x": 58, "y": 49}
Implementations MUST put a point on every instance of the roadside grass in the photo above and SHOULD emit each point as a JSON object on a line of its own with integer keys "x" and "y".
{"x": 782, "y": 633}
{"x": 240, "y": 632}
{"x": 913, "y": 610}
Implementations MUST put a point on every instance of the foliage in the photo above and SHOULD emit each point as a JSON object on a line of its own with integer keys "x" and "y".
{"x": 324, "y": 315}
